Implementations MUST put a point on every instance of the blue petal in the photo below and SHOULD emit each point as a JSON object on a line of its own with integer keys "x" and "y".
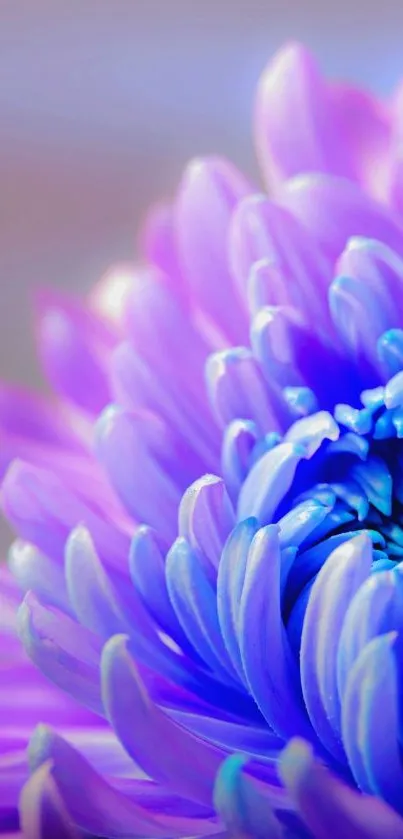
{"x": 243, "y": 809}
{"x": 394, "y": 391}
{"x": 237, "y": 389}
{"x": 147, "y": 570}
{"x": 390, "y": 351}
{"x": 231, "y": 575}
{"x": 301, "y": 521}
{"x": 370, "y": 721}
{"x": 165, "y": 751}
{"x": 194, "y": 601}
{"x": 42, "y": 811}
{"x": 310, "y": 432}
{"x": 269, "y": 666}
{"x": 268, "y": 482}
{"x": 330, "y": 808}
{"x": 376, "y": 608}
{"x": 238, "y": 443}
{"x": 206, "y": 517}
{"x": 95, "y": 806}
{"x": 376, "y": 481}
{"x": 337, "y": 582}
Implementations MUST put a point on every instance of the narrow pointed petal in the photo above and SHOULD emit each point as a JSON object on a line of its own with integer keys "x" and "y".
{"x": 147, "y": 571}
{"x": 36, "y": 572}
{"x": 292, "y": 92}
{"x": 105, "y": 605}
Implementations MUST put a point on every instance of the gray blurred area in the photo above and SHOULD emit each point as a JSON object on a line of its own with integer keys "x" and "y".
{"x": 103, "y": 101}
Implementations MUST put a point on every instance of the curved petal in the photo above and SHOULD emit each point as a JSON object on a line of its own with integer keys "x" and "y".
{"x": 242, "y": 807}
{"x": 330, "y": 808}
{"x": 337, "y": 582}
{"x": 270, "y": 670}
{"x": 209, "y": 192}
{"x": 371, "y": 721}
{"x": 42, "y": 812}
{"x": 185, "y": 764}
{"x": 95, "y": 806}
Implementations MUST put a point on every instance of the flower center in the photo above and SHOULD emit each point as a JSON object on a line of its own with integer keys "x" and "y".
{"x": 350, "y": 482}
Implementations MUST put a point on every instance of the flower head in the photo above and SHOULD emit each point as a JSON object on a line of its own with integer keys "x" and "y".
{"x": 217, "y": 570}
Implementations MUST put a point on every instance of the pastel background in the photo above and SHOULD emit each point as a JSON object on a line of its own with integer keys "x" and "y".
{"x": 103, "y": 101}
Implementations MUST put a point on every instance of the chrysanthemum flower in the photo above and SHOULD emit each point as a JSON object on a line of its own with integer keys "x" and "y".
{"x": 258, "y": 359}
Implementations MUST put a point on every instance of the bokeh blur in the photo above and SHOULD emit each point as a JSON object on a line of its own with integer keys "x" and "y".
{"x": 103, "y": 101}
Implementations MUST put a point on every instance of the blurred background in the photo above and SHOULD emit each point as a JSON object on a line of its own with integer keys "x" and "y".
{"x": 103, "y": 101}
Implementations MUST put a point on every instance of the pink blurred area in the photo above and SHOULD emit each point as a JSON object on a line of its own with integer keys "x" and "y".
{"x": 103, "y": 101}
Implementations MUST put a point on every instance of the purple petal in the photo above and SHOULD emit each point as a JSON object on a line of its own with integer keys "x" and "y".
{"x": 237, "y": 389}
{"x": 43, "y": 511}
{"x": 209, "y": 192}
{"x": 334, "y": 209}
{"x": 95, "y": 806}
{"x": 336, "y": 129}
{"x": 159, "y": 246}
{"x": 37, "y": 572}
{"x": 185, "y": 764}
{"x": 65, "y": 651}
{"x": 137, "y": 387}
{"x": 104, "y": 604}
{"x": 260, "y": 230}
{"x": 328, "y": 807}
{"x": 42, "y": 811}
{"x": 206, "y": 517}
{"x": 131, "y": 448}
{"x": 74, "y": 347}
{"x": 159, "y": 328}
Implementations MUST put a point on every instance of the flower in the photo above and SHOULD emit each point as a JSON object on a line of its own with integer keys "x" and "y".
{"x": 234, "y": 586}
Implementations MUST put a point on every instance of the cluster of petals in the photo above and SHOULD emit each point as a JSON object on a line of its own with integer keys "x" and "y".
{"x": 209, "y": 510}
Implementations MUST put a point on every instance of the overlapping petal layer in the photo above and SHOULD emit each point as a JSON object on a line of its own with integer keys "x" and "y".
{"x": 216, "y": 569}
